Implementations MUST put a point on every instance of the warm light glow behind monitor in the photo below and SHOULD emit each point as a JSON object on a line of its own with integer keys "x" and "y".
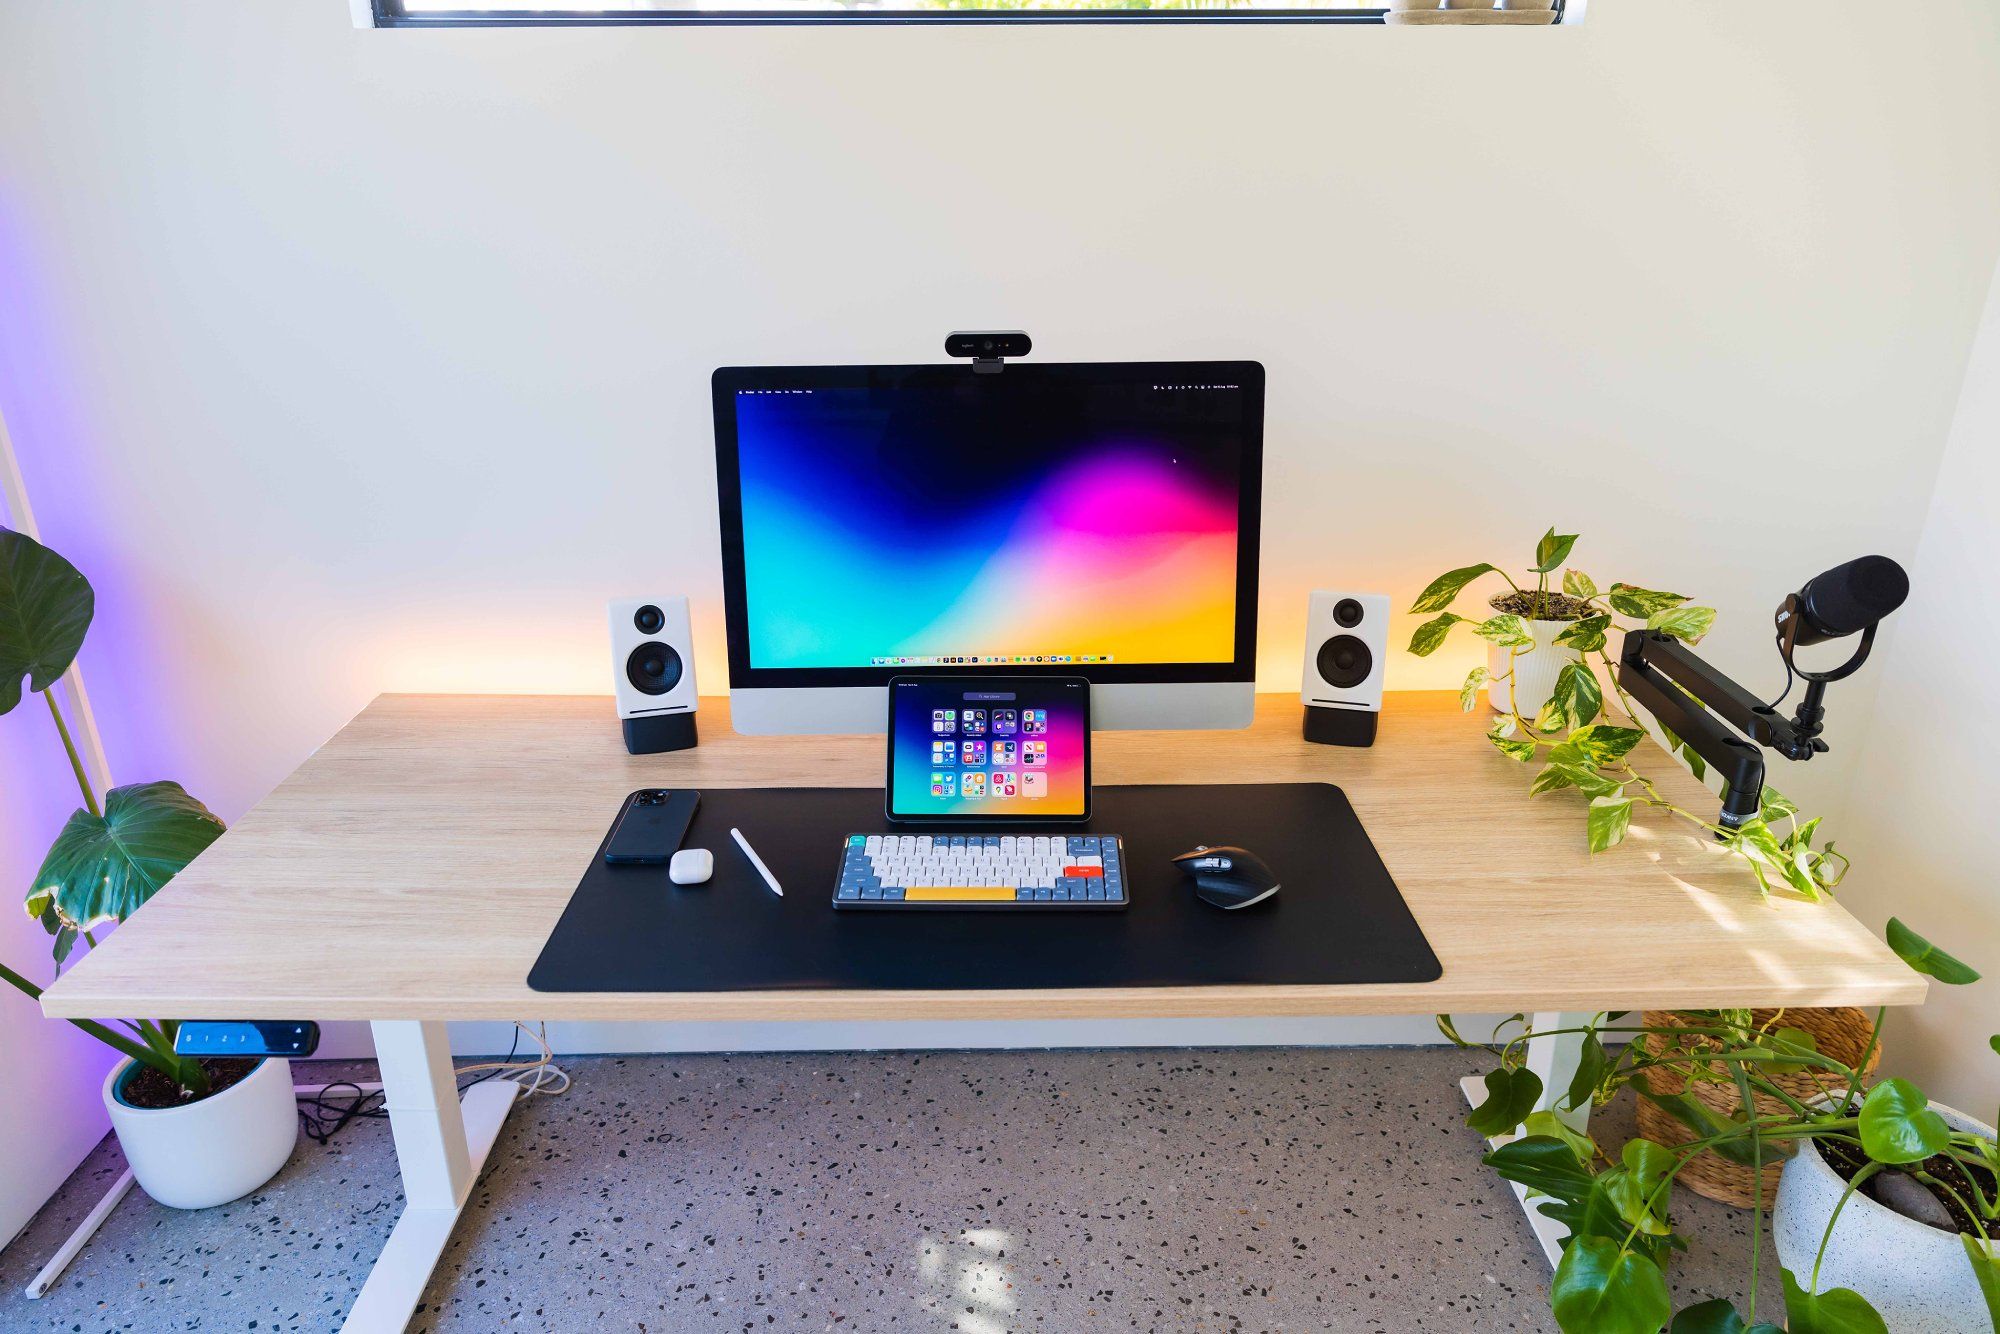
{"x": 1094, "y": 520}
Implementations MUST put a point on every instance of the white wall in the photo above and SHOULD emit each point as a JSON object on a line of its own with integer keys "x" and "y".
{"x": 50, "y": 1112}
{"x": 354, "y": 361}
{"x": 1925, "y": 785}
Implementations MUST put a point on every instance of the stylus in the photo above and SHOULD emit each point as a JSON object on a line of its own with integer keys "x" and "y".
{"x": 757, "y": 862}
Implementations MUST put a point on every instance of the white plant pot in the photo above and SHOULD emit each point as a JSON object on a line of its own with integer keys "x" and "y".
{"x": 213, "y": 1151}
{"x": 1916, "y": 1275}
{"x": 1535, "y": 669}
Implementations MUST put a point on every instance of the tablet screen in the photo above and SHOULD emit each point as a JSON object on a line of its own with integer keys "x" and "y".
{"x": 982, "y": 748}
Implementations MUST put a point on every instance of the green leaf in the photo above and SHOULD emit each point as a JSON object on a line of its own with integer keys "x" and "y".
{"x": 45, "y": 610}
{"x": 1543, "y": 1163}
{"x": 1985, "y": 1268}
{"x": 1687, "y": 624}
{"x": 1593, "y": 1062}
{"x": 1774, "y": 805}
{"x": 1609, "y": 817}
{"x": 1604, "y": 743}
{"x": 1514, "y": 748}
{"x": 1578, "y": 584}
{"x": 1628, "y": 600}
{"x": 1632, "y": 1187}
{"x": 1717, "y": 1317}
{"x": 1601, "y": 1288}
{"x": 104, "y": 868}
{"x": 1835, "y": 1311}
{"x": 1441, "y": 590}
{"x": 1510, "y": 1096}
{"x": 1547, "y": 1125}
{"x": 1925, "y": 957}
{"x": 1898, "y": 1125}
{"x": 1586, "y": 635}
{"x": 1552, "y": 778}
{"x": 1576, "y": 699}
{"x": 1430, "y": 634}
{"x": 1559, "y": 774}
{"x": 1994, "y": 1042}
{"x": 1469, "y": 692}
{"x": 1552, "y": 550}
{"x": 1507, "y": 630}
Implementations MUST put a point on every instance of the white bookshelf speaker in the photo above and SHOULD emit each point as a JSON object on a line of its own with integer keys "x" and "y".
{"x": 652, "y": 665}
{"x": 1347, "y": 648}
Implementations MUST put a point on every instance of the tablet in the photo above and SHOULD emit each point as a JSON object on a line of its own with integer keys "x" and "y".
{"x": 989, "y": 749}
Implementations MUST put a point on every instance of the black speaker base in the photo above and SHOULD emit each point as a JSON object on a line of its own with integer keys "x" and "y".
{"x": 1341, "y": 727}
{"x": 660, "y": 732}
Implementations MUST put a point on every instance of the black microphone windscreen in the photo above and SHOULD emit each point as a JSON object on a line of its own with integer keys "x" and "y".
{"x": 1850, "y": 597}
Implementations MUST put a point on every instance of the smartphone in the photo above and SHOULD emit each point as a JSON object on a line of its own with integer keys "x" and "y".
{"x": 650, "y": 827}
{"x": 246, "y": 1037}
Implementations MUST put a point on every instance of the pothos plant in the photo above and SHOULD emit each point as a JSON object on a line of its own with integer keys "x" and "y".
{"x": 1611, "y": 1278}
{"x": 1612, "y": 1275}
{"x": 1572, "y": 740}
{"x": 112, "y": 855}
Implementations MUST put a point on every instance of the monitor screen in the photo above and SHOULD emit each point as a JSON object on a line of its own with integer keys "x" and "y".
{"x": 997, "y": 748}
{"x": 1089, "y": 519}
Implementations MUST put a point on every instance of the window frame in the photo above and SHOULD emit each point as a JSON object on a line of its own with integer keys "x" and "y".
{"x": 394, "y": 14}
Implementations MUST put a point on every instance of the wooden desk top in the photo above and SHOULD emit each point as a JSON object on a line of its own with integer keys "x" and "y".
{"x": 414, "y": 865}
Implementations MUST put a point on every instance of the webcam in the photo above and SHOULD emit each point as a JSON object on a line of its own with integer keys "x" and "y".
{"x": 988, "y": 348}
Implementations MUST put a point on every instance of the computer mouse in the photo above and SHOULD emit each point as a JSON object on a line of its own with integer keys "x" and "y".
{"x": 691, "y": 866}
{"x": 1227, "y": 877}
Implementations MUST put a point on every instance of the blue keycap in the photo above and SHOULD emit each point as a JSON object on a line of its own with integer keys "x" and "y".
{"x": 1024, "y": 895}
{"x": 1043, "y": 894}
{"x": 893, "y": 893}
{"x": 850, "y": 891}
{"x": 1089, "y": 842}
{"x": 992, "y": 841}
{"x": 871, "y": 892}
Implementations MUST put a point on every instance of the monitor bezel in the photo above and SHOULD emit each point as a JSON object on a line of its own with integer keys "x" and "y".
{"x": 728, "y": 381}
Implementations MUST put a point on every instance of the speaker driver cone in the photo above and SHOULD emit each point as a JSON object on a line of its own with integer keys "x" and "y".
{"x": 653, "y": 668}
{"x": 1344, "y": 662}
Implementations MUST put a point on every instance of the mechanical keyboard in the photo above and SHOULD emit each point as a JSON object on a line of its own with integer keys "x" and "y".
{"x": 1069, "y": 872}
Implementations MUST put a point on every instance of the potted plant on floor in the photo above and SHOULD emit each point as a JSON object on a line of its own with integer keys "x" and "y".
{"x": 1887, "y": 1211}
{"x": 196, "y": 1132}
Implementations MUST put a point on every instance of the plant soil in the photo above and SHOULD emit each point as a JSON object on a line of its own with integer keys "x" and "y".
{"x": 1549, "y": 606}
{"x": 1847, "y": 1159}
{"x": 150, "y": 1089}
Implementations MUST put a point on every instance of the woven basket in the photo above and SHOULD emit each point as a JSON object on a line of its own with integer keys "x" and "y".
{"x": 1841, "y": 1033}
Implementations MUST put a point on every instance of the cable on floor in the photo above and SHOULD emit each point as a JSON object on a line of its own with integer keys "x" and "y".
{"x": 342, "y": 1102}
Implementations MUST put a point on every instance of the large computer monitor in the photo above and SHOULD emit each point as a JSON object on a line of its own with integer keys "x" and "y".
{"x": 1094, "y": 520}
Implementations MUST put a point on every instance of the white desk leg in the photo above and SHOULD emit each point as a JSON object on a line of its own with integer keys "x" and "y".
{"x": 440, "y": 1146}
{"x": 1554, "y": 1060}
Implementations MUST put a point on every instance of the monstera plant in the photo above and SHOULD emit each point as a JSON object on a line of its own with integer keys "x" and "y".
{"x": 114, "y": 855}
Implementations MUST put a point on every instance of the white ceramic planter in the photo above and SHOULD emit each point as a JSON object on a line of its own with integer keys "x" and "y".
{"x": 1535, "y": 669}
{"x": 1916, "y": 1275}
{"x": 213, "y": 1151}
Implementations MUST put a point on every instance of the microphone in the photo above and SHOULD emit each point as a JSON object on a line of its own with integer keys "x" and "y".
{"x": 1845, "y": 599}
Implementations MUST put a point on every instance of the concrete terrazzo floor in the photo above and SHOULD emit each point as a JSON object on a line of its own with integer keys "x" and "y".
{"x": 1234, "y": 1189}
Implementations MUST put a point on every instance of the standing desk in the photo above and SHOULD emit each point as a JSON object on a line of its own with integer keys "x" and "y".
{"x": 409, "y": 872}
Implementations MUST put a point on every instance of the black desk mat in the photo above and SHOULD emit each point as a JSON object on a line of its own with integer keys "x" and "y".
{"x": 1338, "y": 918}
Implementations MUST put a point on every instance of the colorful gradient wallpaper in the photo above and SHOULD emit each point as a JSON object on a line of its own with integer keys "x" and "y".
{"x": 915, "y": 525}
{"x": 988, "y": 749}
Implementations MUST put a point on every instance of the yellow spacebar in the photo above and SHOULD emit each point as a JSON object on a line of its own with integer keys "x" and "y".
{"x": 958, "y": 894}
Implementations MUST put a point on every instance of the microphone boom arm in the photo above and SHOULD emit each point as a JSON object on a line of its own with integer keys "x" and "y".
{"x": 1693, "y": 700}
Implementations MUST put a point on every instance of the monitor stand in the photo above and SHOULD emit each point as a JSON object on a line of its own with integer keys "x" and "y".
{"x": 1127, "y": 706}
